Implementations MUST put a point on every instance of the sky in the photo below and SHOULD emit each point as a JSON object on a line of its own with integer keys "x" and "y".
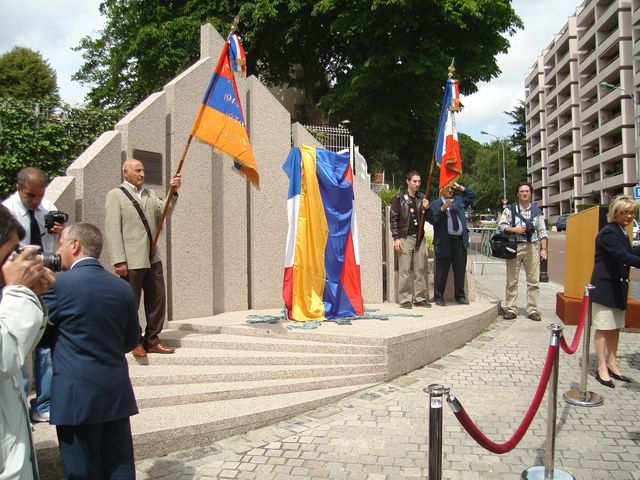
{"x": 54, "y": 27}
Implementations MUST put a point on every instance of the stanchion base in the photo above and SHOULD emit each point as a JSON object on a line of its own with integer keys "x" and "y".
{"x": 538, "y": 473}
{"x": 589, "y": 399}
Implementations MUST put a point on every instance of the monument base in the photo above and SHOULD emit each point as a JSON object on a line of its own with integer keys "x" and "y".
{"x": 568, "y": 310}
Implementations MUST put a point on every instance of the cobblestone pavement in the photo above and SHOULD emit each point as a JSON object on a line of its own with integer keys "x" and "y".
{"x": 381, "y": 433}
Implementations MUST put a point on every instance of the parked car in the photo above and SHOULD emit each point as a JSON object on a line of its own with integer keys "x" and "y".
{"x": 488, "y": 220}
{"x": 561, "y": 223}
{"x": 635, "y": 240}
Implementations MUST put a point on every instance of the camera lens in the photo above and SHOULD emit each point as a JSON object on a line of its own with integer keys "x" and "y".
{"x": 52, "y": 261}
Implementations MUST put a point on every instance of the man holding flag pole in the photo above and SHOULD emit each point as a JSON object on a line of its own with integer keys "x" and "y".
{"x": 450, "y": 232}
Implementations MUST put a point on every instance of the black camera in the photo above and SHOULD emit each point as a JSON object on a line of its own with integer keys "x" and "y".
{"x": 54, "y": 216}
{"x": 530, "y": 230}
{"x": 51, "y": 260}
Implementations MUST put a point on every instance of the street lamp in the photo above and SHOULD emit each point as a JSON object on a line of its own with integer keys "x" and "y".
{"x": 636, "y": 119}
{"x": 504, "y": 164}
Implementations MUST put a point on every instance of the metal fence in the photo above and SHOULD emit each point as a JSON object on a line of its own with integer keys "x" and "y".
{"x": 338, "y": 139}
{"x": 335, "y": 139}
{"x": 480, "y": 248}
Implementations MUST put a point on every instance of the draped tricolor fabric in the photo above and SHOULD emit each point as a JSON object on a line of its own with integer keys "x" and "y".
{"x": 322, "y": 265}
{"x": 447, "y": 148}
{"x": 220, "y": 121}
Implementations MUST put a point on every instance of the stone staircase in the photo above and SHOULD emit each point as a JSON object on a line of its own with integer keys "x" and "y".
{"x": 225, "y": 380}
{"x": 228, "y": 377}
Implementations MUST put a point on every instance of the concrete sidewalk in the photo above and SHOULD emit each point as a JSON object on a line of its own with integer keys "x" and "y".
{"x": 381, "y": 433}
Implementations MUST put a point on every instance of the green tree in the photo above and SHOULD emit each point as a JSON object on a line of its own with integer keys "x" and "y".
{"x": 519, "y": 136}
{"x": 45, "y": 135}
{"x": 25, "y": 74}
{"x": 380, "y": 64}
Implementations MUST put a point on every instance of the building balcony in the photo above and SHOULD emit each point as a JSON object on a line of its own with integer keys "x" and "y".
{"x": 613, "y": 66}
{"x": 590, "y": 136}
{"x": 587, "y": 64}
{"x": 610, "y": 41}
{"x": 532, "y": 131}
{"x": 611, "y": 153}
{"x": 610, "y": 125}
{"x": 586, "y": 36}
{"x": 610, "y": 12}
{"x": 612, "y": 181}
{"x": 533, "y": 92}
{"x": 589, "y": 85}
{"x": 635, "y": 16}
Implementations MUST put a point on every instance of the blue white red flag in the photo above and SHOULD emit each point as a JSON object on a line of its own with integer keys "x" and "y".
{"x": 322, "y": 264}
{"x": 220, "y": 121}
{"x": 447, "y": 148}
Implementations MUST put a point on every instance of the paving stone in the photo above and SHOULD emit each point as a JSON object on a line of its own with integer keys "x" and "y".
{"x": 382, "y": 433}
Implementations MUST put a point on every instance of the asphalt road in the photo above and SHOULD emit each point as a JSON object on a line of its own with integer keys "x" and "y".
{"x": 556, "y": 263}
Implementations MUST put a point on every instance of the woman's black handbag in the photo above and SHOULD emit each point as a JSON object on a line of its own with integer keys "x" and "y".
{"x": 502, "y": 247}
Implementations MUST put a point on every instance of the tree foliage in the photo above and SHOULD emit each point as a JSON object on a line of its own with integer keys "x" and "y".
{"x": 44, "y": 134}
{"x": 519, "y": 136}
{"x": 484, "y": 174}
{"x": 25, "y": 74}
{"x": 381, "y": 64}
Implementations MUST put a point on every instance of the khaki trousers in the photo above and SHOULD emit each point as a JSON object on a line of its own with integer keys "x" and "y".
{"x": 528, "y": 255}
{"x": 412, "y": 271}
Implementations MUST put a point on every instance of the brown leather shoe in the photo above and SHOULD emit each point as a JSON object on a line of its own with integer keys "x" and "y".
{"x": 509, "y": 316}
{"x": 535, "y": 317}
{"x": 139, "y": 352}
{"x": 159, "y": 348}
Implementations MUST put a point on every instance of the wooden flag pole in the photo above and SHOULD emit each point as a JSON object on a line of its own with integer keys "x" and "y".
{"x": 172, "y": 190}
{"x": 169, "y": 199}
{"x": 427, "y": 187}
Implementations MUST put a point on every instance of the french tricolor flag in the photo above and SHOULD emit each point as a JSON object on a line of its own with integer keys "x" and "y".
{"x": 322, "y": 265}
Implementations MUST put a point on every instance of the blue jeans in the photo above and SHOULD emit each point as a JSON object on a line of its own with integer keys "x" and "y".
{"x": 42, "y": 373}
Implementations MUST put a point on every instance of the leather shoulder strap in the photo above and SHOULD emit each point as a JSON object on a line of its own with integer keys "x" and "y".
{"x": 143, "y": 217}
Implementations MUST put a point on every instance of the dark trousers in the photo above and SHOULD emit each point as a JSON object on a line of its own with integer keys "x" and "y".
{"x": 458, "y": 259}
{"x": 151, "y": 282}
{"x": 96, "y": 452}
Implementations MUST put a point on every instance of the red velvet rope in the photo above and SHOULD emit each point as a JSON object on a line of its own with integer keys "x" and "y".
{"x": 576, "y": 336}
{"x": 510, "y": 444}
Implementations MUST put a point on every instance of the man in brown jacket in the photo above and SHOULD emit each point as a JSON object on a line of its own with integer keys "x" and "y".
{"x": 412, "y": 258}
{"x": 129, "y": 242}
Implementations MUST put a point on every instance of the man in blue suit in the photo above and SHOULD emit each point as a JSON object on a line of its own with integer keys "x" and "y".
{"x": 95, "y": 324}
{"x": 451, "y": 240}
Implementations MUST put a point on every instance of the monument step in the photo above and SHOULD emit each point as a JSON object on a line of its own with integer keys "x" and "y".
{"x": 149, "y": 396}
{"x": 330, "y": 333}
{"x": 217, "y": 356}
{"x": 158, "y": 431}
{"x": 185, "y": 374}
{"x": 244, "y": 341}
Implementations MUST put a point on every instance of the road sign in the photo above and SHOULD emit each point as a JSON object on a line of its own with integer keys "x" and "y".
{"x": 636, "y": 192}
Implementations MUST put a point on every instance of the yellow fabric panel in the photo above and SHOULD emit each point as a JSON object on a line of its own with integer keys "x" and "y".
{"x": 308, "y": 268}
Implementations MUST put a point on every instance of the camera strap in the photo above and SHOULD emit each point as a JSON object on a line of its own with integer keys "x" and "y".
{"x": 143, "y": 217}
{"x": 528, "y": 222}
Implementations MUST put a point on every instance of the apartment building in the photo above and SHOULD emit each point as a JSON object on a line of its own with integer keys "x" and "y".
{"x": 581, "y": 136}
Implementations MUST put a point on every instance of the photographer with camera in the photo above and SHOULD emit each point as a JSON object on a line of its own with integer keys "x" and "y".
{"x": 42, "y": 224}
{"x": 524, "y": 223}
{"x": 22, "y": 322}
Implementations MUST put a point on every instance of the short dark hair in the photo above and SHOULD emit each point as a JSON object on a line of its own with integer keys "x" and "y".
{"x": 32, "y": 176}
{"x": 411, "y": 174}
{"x": 8, "y": 225}
{"x": 522, "y": 184}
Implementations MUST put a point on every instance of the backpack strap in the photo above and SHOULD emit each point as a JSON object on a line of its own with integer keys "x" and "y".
{"x": 143, "y": 217}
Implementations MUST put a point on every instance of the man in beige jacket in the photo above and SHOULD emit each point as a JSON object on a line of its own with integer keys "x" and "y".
{"x": 129, "y": 243}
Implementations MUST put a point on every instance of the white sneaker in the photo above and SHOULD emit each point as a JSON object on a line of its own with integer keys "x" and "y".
{"x": 39, "y": 417}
